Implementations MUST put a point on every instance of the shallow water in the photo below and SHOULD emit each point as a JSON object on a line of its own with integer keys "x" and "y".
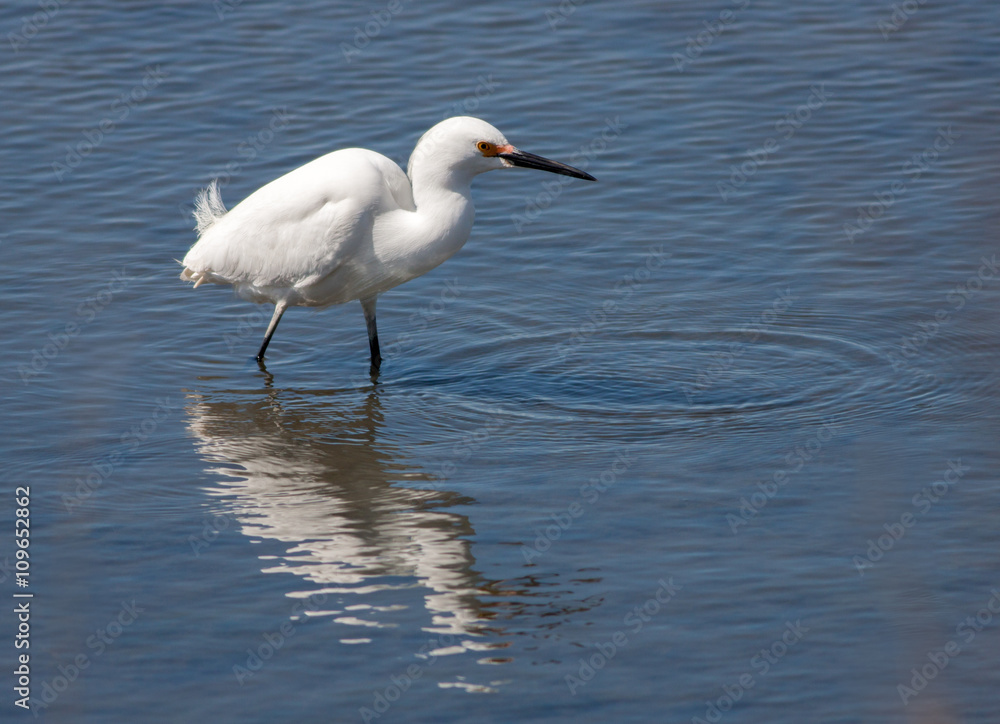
{"x": 719, "y": 430}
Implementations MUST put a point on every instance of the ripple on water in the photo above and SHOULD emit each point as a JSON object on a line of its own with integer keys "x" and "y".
{"x": 690, "y": 378}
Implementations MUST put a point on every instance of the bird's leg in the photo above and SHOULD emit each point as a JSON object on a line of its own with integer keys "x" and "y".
{"x": 279, "y": 309}
{"x": 368, "y": 307}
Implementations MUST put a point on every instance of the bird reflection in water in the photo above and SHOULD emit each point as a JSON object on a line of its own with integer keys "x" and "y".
{"x": 307, "y": 469}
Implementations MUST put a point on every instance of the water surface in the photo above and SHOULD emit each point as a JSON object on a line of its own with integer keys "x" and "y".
{"x": 714, "y": 438}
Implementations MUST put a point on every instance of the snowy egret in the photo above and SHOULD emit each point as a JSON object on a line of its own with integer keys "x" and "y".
{"x": 351, "y": 225}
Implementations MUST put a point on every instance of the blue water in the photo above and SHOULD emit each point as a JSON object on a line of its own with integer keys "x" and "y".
{"x": 714, "y": 438}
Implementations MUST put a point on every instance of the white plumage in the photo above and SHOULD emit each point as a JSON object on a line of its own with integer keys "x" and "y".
{"x": 351, "y": 225}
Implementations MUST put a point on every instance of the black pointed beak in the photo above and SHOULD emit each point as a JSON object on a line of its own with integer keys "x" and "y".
{"x": 530, "y": 160}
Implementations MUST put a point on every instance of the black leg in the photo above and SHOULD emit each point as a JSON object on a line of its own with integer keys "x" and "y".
{"x": 279, "y": 309}
{"x": 368, "y": 307}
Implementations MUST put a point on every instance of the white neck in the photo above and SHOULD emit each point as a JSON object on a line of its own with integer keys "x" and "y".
{"x": 443, "y": 218}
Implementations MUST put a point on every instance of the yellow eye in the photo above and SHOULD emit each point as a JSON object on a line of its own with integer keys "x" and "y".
{"x": 486, "y": 148}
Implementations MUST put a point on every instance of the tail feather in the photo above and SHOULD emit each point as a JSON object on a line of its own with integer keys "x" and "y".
{"x": 208, "y": 207}
{"x": 190, "y": 275}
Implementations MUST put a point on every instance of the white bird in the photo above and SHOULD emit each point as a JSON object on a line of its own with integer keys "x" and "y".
{"x": 350, "y": 224}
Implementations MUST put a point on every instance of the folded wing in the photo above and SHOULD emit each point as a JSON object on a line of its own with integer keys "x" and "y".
{"x": 297, "y": 229}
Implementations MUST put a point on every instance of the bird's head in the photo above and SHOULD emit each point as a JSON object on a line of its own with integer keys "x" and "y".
{"x": 466, "y": 147}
